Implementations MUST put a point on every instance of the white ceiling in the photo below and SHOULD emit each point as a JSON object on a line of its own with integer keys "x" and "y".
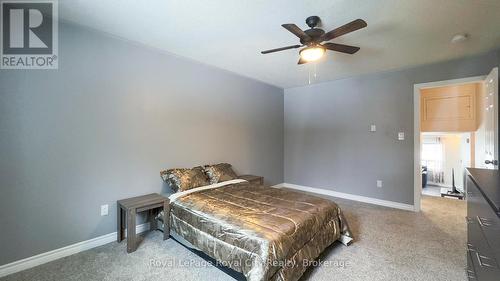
{"x": 231, "y": 33}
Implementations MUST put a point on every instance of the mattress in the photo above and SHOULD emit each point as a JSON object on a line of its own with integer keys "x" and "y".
{"x": 263, "y": 232}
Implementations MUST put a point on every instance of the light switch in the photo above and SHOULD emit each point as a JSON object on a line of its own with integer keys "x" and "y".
{"x": 373, "y": 128}
{"x": 401, "y": 136}
{"x": 104, "y": 210}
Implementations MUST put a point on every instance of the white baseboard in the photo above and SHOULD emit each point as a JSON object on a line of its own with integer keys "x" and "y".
{"x": 348, "y": 196}
{"x": 33, "y": 261}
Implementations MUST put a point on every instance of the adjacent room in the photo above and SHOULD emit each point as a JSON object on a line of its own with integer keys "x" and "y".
{"x": 249, "y": 140}
{"x": 444, "y": 159}
{"x": 452, "y": 118}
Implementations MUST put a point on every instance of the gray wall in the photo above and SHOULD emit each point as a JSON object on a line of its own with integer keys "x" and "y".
{"x": 101, "y": 127}
{"x": 327, "y": 140}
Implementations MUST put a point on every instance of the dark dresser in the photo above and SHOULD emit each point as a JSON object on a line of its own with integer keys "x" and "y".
{"x": 483, "y": 224}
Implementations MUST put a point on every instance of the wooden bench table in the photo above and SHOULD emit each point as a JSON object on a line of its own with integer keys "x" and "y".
{"x": 252, "y": 179}
{"x": 126, "y": 213}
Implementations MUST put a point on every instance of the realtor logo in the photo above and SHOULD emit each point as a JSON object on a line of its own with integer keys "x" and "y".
{"x": 28, "y": 34}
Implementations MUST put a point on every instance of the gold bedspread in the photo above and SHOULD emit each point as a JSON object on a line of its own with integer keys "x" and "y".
{"x": 265, "y": 233}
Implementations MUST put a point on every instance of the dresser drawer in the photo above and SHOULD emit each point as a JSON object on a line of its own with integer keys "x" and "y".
{"x": 483, "y": 236}
{"x": 476, "y": 241}
{"x": 477, "y": 206}
{"x": 484, "y": 267}
{"x": 491, "y": 231}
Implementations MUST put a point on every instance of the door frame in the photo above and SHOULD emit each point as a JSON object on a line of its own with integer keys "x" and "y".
{"x": 417, "y": 173}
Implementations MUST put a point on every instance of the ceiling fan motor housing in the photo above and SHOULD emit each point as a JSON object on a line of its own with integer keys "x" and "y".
{"x": 314, "y": 33}
{"x": 313, "y": 21}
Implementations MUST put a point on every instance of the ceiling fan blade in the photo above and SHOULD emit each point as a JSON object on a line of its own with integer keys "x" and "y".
{"x": 302, "y": 61}
{"x": 281, "y": 49}
{"x": 341, "y": 48}
{"x": 297, "y": 31}
{"x": 346, "y": 28}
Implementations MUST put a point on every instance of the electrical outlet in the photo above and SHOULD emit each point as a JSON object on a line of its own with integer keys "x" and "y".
{"x": 104, "y": 210}
{"x": 373, "y": 128}
{"x": 401, "y": 136}
{"x": 379, "y": 183}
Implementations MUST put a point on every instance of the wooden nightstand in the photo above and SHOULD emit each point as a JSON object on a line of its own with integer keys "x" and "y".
{"x": 252, "y": 179}
{"x": 127, "y": 210}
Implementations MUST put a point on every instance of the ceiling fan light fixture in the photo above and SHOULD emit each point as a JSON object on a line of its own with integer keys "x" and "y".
{"x": 313, "y": 38}
{"x": 312, "y": 53}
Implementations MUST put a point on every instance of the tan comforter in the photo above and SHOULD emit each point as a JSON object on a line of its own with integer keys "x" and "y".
{"x": 265, "y": 233}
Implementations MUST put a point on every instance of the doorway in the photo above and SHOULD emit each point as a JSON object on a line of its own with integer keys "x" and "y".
{"x": 444, "y": 157}
{"x": 450, "y": 108}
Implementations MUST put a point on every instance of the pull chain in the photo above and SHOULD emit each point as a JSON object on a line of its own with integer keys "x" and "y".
{"x": 312, "y": 68}
{"x": 309, "y": 74}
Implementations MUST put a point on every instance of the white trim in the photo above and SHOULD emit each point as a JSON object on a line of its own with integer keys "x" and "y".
{"x": 417, "y": 178}
{"x": 348, "y": 196}
{"x": 42, "y": 258}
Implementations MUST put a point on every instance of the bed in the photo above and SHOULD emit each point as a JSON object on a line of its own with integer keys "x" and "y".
{"x": 263, "y": 232}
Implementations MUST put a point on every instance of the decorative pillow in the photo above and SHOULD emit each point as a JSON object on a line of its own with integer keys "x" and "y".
{"x": 219, "y": 172}
{"x": 185, "y": 179}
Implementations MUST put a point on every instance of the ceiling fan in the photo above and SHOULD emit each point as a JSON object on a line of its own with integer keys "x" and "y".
{"x": 313, "y": 37}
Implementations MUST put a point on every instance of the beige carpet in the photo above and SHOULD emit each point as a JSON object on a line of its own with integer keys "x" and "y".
{"x": 390, "y": 244}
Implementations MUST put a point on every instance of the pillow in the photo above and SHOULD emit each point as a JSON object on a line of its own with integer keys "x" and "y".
{"x": 185, "y": 179}
{"x": 220, "y": 172}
